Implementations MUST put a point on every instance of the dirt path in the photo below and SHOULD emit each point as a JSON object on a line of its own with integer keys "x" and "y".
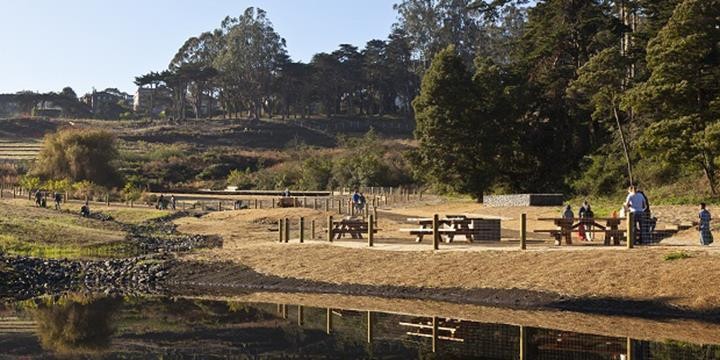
{"x": 599, "y": 276}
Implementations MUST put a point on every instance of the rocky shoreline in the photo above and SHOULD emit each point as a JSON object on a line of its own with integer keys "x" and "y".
{"x": 153, "y": 243}
{"x": 26, "y": 277}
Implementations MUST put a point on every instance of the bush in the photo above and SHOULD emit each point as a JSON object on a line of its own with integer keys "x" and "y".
{"x": 78, "y": 155}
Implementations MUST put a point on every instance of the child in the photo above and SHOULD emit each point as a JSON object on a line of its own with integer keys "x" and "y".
{"x": 706, "y": 237}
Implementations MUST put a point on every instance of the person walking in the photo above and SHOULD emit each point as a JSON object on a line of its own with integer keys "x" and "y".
{"x": 706, "y": 237}
{"x": 173, "y": 202}
{"x": 58, "y": 200}
{"x": 160, "y": 202}
{"x": 38, "y": 198}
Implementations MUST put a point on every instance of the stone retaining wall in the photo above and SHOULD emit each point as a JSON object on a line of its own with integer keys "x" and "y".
{"x": 523, "y": 200}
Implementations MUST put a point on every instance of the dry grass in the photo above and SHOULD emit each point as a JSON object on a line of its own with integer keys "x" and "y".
{"x": 593, "y": 272}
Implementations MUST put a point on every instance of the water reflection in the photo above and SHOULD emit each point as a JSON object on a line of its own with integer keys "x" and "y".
{"x": 100, "y": 327}
{"x": 75, "y": 324}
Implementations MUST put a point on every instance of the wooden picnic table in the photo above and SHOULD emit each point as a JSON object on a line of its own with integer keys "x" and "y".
{"x": 449, "y": 227}
{"x": 565, "y": 227}
{"x": 352, "y": 227}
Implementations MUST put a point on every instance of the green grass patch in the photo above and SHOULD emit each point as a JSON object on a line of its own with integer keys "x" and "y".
{"x": 676, "y": 255}
{"x": 136, "y": 216}
{"x": 26, "y": 230}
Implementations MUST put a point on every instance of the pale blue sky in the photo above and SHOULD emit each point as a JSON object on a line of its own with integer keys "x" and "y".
{"x": 50, "y": 44}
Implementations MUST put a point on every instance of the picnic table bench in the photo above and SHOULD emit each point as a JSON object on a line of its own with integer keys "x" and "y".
{"x": 565, "y": 227}
{"x": 449, "y": 227}
{"x": 353, "y": 227}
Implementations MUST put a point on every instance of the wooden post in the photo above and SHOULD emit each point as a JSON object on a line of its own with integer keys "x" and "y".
{"x": 219, "y": 205}
{"x": 330, "y": 228}
{"x": 436, "y": 232}
{"x": 629, "y": 349}
{"x": 312, "y": 229}
{"x": 273, "y": 202}
{"x": 281, "y": 232}
{"x": 107, "y": 199}
{"x": 630, "y": 230}
{"x": 367, "y": 210}
{"x": 315, "y": 205}
{"x": 300, "y": 315}
{"x": 369, "y": 327}
{"x": 256, "y": 203}
{"x": 302, "y": 230}
{"x": 371, "y": 231}
{"x": 327, "y": 205}
{"x": 287, "y": 230}
{"x": 328, "y": 321}
{"x": 523, "y": 231}
{"x": 284, "y": 311}
{"x": 340, "y": 207}
{"x": 375, "y": 214}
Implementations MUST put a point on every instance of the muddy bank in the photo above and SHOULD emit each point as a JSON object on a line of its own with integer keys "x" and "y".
{"x": 229, "y": 279}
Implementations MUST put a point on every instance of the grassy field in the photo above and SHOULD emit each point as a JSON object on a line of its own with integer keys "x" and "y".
{"x": 19, "y": 150}
{"x": 25, "y": 229}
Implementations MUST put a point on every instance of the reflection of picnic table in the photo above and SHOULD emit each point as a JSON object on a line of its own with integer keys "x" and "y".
{"x": 352, "y": 227}
{"x": 565, "y": 227}
{"x": 454, "y": 225}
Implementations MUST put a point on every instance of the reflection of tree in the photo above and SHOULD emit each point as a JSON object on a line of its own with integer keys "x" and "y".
{"x": 76, "y": 324}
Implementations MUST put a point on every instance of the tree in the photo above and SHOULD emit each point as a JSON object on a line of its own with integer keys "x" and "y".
{"x": 250, "y": 59}
{"x": 601, "y": 85}
{"x": 681, "y": 99}
{"x": 79, "y": 154}
{"x": 451, "y": 136}
{"x": 153, "y": 79}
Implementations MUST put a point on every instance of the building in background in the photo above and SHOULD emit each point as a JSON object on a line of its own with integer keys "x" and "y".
{"x": 110, "y": 103}
{"x": 152, "y": 101}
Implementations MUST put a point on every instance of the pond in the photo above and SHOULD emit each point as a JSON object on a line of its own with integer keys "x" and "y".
{"x": 98, "y": 327}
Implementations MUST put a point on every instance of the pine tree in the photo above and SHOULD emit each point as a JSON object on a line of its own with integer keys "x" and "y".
{"x": 450, "y": 131}
{"x": 680, "y": 99}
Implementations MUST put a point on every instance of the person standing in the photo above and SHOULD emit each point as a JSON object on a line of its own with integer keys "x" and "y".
{"x": 706, "y": 237}
{"x": 173, "y": 202}
{"x": 636, "y": 205}
{"x": 584, "y": 228}
{"x": 58, "y": 200}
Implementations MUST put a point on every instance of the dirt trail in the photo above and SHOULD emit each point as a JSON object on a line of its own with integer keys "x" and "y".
{"x": 600, "y": 276}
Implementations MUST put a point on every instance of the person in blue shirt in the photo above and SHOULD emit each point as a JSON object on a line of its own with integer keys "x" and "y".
{"x": 706, "y": 237}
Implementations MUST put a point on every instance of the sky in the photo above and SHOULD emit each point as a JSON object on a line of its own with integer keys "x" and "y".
{"x": 86, "y": 44}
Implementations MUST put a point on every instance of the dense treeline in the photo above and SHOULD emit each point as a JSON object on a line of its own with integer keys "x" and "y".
{"x": 244, "y": 64}
{"x": 552, "y": 95}
{"x": 593, "y": 95}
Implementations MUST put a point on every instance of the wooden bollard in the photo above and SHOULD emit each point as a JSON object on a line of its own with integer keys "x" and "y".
{"x": 312, "y": 229}
{"x": 630, "y": 230}
{"x": 302, "y": 230}
{"x": 436, "y": 232}
{"x": 330, "y": 229}
{"x": 256, "y": 203}
{"x": 375, "y": 214}
{"x": 523, "y": 231}
{"x": 281, "y": 232}
{"x": 287, "y": 230}
{"x": 371, "y": 231}
{"x": 300, "y": 315}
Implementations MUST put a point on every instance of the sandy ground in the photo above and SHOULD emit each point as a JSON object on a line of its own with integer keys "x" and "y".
{"x": 250, "y": 238}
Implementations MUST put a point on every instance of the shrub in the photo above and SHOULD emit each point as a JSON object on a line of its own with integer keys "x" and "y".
{"x": 79, "y": 154}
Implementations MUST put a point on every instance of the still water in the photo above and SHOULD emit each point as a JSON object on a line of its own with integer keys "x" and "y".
{"x": 96, "y": 327}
